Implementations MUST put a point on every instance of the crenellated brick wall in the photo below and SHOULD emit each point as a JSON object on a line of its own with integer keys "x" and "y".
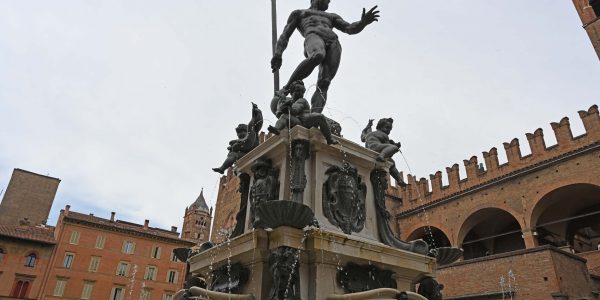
{"x": 566, "y": 143}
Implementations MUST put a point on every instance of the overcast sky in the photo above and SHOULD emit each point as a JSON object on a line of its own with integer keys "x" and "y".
{"x": 131, "y": 103}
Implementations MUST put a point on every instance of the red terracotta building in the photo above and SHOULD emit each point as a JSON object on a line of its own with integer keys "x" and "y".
{"x": 84, "y": 256}
{"x": 97, "y": 258}
{"x": 25, "y": 253}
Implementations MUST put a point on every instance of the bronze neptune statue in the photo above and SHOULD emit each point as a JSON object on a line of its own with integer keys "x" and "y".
{"x": 321, "y": 45}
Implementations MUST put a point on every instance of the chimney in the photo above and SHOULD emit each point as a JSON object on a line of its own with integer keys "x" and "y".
{"x": 146, "y": 223}
{"x": 67, "y": 208}
{"x": 112, "y": 216}
{"x": 173, "y": 228}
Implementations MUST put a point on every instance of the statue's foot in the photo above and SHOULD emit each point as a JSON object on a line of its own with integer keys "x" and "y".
{"x": 401, "y": 183}
{"x": 273, "y": 130}
{"x": 219, "y": 170}
{"x": 380, "y": 158}
{"x": 332, "y": 141}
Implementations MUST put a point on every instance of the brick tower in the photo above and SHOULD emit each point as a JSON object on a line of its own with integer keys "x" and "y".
{"x": 197, "y": 220}
{"x": 589, "y": 12}
{"x": 28, "y": 198}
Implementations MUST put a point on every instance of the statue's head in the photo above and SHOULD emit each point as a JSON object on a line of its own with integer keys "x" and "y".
{"x": 297, "y": 89}
{"x": 242, "y": 130}
{"x": 261, "y": 167}
{"x": 319, "y": 4}
{"x": 385, "y": 125}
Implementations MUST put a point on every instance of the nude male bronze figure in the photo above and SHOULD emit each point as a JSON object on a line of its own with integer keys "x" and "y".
{"x": 321, "y": 45}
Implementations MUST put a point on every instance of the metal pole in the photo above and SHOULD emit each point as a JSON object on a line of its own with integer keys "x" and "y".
{"x": 274, "y": 40}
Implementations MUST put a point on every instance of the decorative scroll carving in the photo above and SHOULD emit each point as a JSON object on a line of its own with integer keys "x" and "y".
{"x": 379, "y": 182}
{"x": 344, "y": 198}
{"x": 354, "y": 278}
{"x": 229, "y": 278}
{"x": 241, "y": 215}
{"x": 284, "y": 269}
{"x": 265, "y": 187}
{"x": 300, "y": 152}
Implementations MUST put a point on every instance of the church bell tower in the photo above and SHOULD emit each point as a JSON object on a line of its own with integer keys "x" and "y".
{"x": 197, "y": 220}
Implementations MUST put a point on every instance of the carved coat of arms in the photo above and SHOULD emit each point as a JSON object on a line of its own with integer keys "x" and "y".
{"x": 344, "y": 195}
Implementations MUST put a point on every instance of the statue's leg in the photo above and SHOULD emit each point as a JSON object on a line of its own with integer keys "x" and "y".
{"x": 396, "y": 174}
{"x": 314, "y": 49}
{"x": 318, "y": 120}
{"x": 327, "y": 71}
{"x": 387, "y": 152}
{"x": 232, "y": 157}
{"x": 281, "y": 123}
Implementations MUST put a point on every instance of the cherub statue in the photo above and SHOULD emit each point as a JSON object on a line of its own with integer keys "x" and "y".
{"x": 380, "y": 142}
{"x": 246, "y": 141}
{"x": 296, "y": 111}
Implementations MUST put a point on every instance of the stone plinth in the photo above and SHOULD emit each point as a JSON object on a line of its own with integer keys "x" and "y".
{"x": 322, "y": 254}
{"x": 321, "y": 157}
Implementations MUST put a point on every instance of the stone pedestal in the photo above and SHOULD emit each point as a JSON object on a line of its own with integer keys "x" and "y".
{"x": 303, "y": 163}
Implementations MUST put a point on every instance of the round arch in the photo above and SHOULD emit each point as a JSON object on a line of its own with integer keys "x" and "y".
{"x": 567, "y": 217}
{"x": 434, "y": 236}
{"x": 490, "y": 231}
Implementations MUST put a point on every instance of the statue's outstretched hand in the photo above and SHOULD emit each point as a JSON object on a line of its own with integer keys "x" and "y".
{"x": 370, "y": 124}
{"x": 276, "y": 62}
{"x": 370, "y": 16}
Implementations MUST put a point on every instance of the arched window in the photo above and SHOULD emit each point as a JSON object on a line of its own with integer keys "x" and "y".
{"x": 30, "y": 260}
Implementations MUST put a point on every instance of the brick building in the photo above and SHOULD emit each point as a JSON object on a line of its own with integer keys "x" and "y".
{"x": 26, "y": 244}
{"x": 97, "y": 258}
{"x": 530, "y": 226}
{"x": 28, "y": 197}
{"x": 25, "y": 253}
{"x": 84, "y": 256}
{"x": 589, "y": 12}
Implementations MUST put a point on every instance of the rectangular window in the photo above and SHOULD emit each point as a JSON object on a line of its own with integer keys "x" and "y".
{"x": 94, "y": 264}
{"x": 59, "y": 289}
{"x": 68, "y": 260}
{"x": 86, "y": 293}
{"x": 150, "y": 273}
{"x": 122, "y": 269}
{"x": 167, "y": 296}
{"x": 172, "y": 276}
{"x": 100, "y": 241}
{"x": 173, "y": 257}
{"x": 74, "y": 240}
{"x": 117, "y": 293}
{"x": 155, "y": 252}
{"x": 128, "y": 247}
{"x": 146, "y": 293}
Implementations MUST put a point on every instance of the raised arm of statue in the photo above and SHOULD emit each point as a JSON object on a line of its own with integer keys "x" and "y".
{"x": 282, "y": 42}
{"x": 368, "y": 129}
{"x": 256, "y": 122}
{"x": 367, "y": 18}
